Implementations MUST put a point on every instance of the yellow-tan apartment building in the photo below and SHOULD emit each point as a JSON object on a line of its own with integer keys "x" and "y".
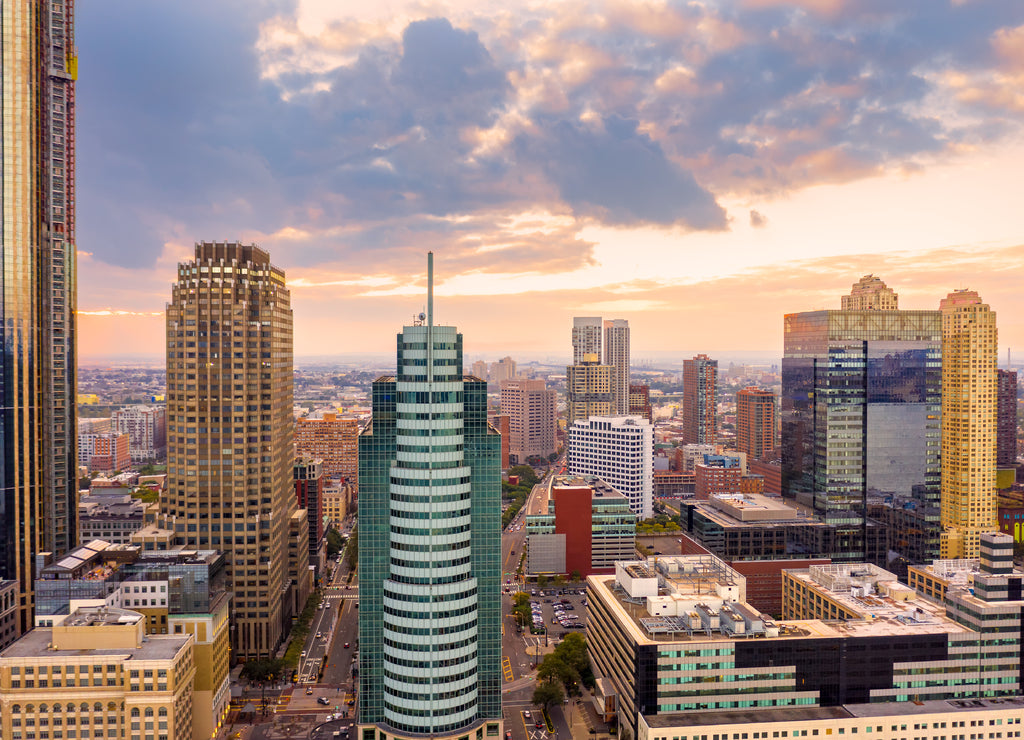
{"x": 336, "y": 502}
{"x": 98, "y": 675}
{"x": 969, "y": 403}
{"x": 590, "y": 389}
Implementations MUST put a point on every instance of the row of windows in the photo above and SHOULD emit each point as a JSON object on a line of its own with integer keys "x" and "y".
{"x": 405, "y": 711}
{"x": 432, "y": 397}
{"x": 431, "y": 664}
{"x": 434, "y": 614}
{"x": 420, "y": 547}
{"x": 428, "y": 415}
{"x": 453, "y": 346}
{"x": 430, "y": 482}
{"x": 432, "y": 432}
{"x": 427, "y": 564}
{"x": 427, "y": 498}
{"x": 440, "y": 647}
{"x": 435, "y": 532}
{"x": 431, "y": 695}
{"x": 436, "y": 598}
{"x": 429, "y": 448}
{"x": 397, "y": 513}
{"x": 433, "y": 678}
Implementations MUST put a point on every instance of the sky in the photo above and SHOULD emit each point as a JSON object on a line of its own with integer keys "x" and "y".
{"x": 697, "y": 168}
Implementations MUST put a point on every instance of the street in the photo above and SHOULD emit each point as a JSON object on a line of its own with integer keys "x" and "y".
{"x": 330, "y": 705}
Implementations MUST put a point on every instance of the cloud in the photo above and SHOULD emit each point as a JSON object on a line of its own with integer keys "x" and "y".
{"x": 495, "y": 135}
{"x": 614, "y": 173}
{"x": 758, "y": 220}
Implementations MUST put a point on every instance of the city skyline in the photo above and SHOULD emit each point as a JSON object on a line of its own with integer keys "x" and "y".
{"x": 759, "y": 152}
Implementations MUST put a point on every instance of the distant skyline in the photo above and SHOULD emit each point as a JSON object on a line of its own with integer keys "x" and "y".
{"x": 697, "y": 169}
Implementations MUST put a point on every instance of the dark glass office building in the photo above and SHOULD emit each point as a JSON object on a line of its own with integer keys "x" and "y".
{"x": 861, "y": 404}
{"x": 429, "y": 548}
{"x": 38, "y": 435}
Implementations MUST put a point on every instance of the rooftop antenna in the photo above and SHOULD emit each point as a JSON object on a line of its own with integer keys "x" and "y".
{"x": 430, "y": 288}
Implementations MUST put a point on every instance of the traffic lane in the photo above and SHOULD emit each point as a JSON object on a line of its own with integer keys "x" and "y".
{"x": 339, "y": 659}
{"x": 531, "y": 718}
{"x": 315, "y": 647}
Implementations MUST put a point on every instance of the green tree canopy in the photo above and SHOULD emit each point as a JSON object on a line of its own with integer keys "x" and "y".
{"x": 265, "y": 669}
{"x": 334, "y": 543}
{"x": 548, "y": 694}
{"x": 525, "y": 473}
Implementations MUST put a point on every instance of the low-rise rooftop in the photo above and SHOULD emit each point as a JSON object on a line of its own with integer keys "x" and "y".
{"x": 678, "y": 599}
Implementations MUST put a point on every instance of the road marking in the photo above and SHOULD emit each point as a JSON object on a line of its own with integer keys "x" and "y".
{"x": 506, "y": 667}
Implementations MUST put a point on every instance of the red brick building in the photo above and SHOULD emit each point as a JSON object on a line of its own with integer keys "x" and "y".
{"x": 640, "y": 401}
{"x": 709, "y": 479}
{"x": 770, "y": 472}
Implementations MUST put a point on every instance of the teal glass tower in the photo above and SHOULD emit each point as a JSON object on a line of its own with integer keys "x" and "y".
{"x": 429, "y": 546}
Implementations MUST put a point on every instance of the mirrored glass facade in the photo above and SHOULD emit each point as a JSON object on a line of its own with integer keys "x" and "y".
{"x": 38, "y": 482}
{"x": 429, "y": 540}
{"x": 861, "y": 416}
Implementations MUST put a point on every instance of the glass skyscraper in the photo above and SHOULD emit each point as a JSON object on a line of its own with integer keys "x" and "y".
{"x": 429, "y": 546}
{"x": 861, "y": 407}
{"x": 38, "y": 464}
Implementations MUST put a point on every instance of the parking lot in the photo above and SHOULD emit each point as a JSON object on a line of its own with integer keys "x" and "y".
{"x": 559, "y": 610}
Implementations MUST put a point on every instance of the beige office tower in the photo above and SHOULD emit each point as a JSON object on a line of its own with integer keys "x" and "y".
{"x": 532, "y": 419}
{"x": 871, "y": 294}
{"x": 586, "y": 337}
{"x": 616, "y": 354}
{"x": 230, "y": 431}
{"x": 969, "y": 348}
{"x": 502, "y": 370}
{"x": 589, "y": 389}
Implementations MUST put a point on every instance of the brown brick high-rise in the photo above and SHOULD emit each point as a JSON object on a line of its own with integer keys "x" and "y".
{"x": 230, "y": 430}
{"x": 1006, "y": 418}
{"x": 700, "y": 400}
{"x": 755, "y": 422}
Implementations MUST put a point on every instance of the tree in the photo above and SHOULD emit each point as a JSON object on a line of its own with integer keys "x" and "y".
{"x": 552, "y": 457}
{"x": 521, "y": 609}
{"x": 548, "y": 694}
{"x": 353, "y": 550}
{"x": 575, "y": 576}
{"x": 573, "y": 652}
{"x": 542, "y": 581}
{"x": 334, "y": 543}
{"x": 554, "y": 669}
{"x": 264, "y": 669}
{"x": 559, "y": 580}
{"x": 526, "y": 475}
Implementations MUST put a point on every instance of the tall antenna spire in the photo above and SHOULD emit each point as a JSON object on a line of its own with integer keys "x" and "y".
{"x": 430, "y": 288}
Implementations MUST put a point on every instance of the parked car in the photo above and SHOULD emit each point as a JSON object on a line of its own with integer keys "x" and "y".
{"x": 323, "y": 700}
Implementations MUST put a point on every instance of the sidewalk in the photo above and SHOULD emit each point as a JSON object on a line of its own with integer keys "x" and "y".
{"x": 581, "y": 717}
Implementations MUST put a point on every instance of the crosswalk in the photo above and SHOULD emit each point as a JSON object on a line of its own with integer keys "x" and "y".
{"x": 506, "y": 668}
